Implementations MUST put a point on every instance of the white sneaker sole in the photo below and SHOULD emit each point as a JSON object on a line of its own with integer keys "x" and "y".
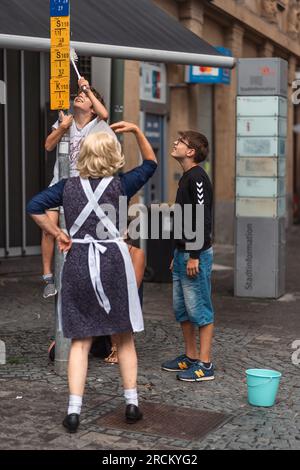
{"x": 201, "y": 379}
{"x": 49, "y": 295}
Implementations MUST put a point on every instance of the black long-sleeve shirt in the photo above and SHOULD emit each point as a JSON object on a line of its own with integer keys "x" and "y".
{"x": 194, "y": 188}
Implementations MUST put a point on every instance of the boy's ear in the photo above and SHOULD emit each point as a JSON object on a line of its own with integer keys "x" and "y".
{"x": 191, "y": 153}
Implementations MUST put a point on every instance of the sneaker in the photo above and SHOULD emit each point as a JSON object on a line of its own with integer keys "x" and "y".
{"x": 197, "y": 373}
{"x": 49, "y": 290}
{"x": 178, "y": 364}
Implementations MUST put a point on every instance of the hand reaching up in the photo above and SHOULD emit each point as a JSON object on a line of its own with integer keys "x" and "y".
{"x": 123, "y": 126}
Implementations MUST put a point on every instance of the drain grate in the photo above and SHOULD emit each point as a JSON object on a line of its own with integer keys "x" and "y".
{"x": 167, "y": 421}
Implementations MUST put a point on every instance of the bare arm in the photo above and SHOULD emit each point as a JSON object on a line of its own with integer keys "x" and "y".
{"x": 138, "y": 261}
{"x": 54, "y": 138}
{"x": 98, "y": 107}
{"x": 143, "y": 143}
{"x": 47, "y": 225}
{"x": 145, "y": 146}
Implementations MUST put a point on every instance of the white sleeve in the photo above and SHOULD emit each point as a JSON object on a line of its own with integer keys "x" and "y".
{"x": 55, "y": 178}
{"x": 55, "y": 125}
{"x": 102, "y": 126}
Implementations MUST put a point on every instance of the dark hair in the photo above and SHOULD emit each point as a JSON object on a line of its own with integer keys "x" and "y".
{"x": 97, "y": 95}
{"x": 198, "y": 142}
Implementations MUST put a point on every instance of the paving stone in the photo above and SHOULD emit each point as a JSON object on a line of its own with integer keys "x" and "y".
{"x": 249, "y": 333}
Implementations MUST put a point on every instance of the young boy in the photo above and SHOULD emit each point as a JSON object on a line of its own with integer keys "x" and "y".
{"x": 89, "y": 111}
{"x": 192, "y": 268}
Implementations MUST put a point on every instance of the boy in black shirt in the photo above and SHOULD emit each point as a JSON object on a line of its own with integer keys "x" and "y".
{"x": 192, "y": 267}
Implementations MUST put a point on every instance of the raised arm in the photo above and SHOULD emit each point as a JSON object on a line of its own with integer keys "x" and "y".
{"x": 143, "y": 143}
{"x": 54, "y": 138}
{"x": 98, "y": 107}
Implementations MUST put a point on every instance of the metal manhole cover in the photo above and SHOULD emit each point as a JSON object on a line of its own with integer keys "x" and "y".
{"x": 167, "y": 421}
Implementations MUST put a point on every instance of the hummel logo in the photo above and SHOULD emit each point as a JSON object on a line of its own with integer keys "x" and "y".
{"x": 200, "y": 195}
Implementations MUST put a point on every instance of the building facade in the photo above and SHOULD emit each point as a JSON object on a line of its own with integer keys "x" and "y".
{"x": 160, "y": 99}
{"x": 249, "y": 28}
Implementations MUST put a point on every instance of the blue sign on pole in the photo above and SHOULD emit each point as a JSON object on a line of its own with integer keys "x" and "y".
{"x": 59, "y": 7}
{"x": 207, "y": 74}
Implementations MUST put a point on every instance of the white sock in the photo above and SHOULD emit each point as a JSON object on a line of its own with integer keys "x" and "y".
{"x": 75, "y": 402}
{"x": 131, "y": 396}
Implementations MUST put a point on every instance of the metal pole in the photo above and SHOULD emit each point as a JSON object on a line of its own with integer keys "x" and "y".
{"x": 6, "y": 160}
{"x": 2, "y": 353}
{"x": 117, "y": 90}
{"x": 32, "y": 43}
{"x": 43, "y": 112}
{"x": 2, "y": 344}
{"x": 23, "y": 153}
{"x": 62, "y": 345}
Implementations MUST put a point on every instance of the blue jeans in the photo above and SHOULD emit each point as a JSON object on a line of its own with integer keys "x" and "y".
{"x": 192, "y": 296}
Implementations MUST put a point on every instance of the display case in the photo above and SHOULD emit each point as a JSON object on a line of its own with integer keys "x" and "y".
{"x": 260, "y": 167}
{"x": 261, "y": 106}
{"x": 260, "y": 147}
{"x": 264, "y": 126}
{"x": 260, "y": 207}
{"x": 260, "y": 187}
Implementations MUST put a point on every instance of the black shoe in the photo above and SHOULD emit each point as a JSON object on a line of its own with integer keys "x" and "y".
{"x": 132, "y": 414}
{"x": 71, "y": 422}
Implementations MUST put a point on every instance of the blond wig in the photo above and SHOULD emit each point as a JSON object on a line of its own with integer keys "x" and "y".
{"x": 100, "y": 155}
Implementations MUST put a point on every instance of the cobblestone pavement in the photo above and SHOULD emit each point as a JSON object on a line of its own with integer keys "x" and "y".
{"x": 249, "y": 333}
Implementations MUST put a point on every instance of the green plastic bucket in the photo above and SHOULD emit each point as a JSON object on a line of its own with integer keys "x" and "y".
{"x": 262, "y": 386}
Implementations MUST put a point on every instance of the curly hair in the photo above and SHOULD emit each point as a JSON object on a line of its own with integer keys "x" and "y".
{"x": 100, "y": 155}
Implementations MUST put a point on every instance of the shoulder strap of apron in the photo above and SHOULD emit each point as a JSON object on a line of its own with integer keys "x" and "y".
{"x": 93, "y": 198}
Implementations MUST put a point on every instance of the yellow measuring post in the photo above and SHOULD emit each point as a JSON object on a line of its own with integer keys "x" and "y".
{"x": 60, "y": 31}
{"x": 60, "y": 62}
{"x": 60, "y": 93}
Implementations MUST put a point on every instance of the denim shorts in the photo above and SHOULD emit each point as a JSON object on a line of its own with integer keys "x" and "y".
{"x": 192, "y": 296}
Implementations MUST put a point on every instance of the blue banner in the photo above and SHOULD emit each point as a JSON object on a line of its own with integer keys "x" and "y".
{"x": 207, "y": 74}
{"x": 59, "y": 7}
